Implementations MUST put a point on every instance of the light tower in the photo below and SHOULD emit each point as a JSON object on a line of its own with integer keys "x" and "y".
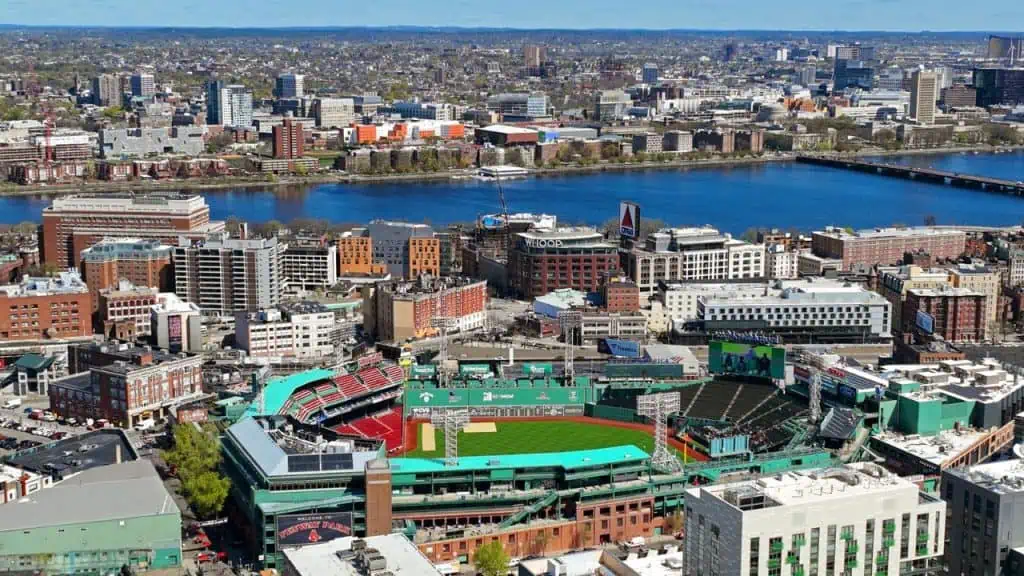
{"x": 443, "y": 324}
{"x": 451, "y": 421}
{"x": 815, "y": 392}
{"x": 658, "y": 407}
{"x": 570, "y": 321}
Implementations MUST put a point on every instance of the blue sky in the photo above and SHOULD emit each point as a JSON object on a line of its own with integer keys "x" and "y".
{"x": 912, "y": 15}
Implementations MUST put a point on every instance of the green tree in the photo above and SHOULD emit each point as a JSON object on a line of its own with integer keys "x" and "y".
{"x": 491, "y": 559}
{"x": 113, "y": 113}
{"x": 14, "y": 113}
{"x": 300, "y": 170}
{"x": 194, "y": 451}
{"x": 207, "y": 493}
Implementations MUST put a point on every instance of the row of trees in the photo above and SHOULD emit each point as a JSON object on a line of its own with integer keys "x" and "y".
{"x": 196, "y": 456}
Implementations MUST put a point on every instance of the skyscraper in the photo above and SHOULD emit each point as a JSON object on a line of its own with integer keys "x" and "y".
{"x": 225, "y": 275}
{"x": 852, "y": 73}
{"x": 288, "y": 140}
{"x": 143, "y": 85}
{"x": 650, "y": 73}
{"x": 106, "y": 90}
{"x": 534, "y": 56}
{"x": 228, "y": 105}
{"x": 923, "y": 93}
{"x": 290, "y": 86}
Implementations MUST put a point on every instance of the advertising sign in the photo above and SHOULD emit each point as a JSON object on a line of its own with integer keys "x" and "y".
{"x": 478, "y": 369}
{"x": 629, "y": 220}
{"x": 303, "y": 529}
{"x": 174, "y": 332}
{"x": 747, "y": 360}
{"x": 537, "y": 369}
{"x": 620, "y": 348}
{"x": 424, "y": 371}
{"x": 925, "y": 322}
{"x": 370, "y": 360}
{"x": 189, "y": 415}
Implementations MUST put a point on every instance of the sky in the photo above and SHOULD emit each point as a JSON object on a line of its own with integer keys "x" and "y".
{"x": 908, "y": 15}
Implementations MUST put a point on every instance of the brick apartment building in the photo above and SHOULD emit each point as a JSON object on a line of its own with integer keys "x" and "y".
{"x": 620, "y": 296}
{"x": 396, "y": 311}
{"x": 128, "y": 384}
{"x": 957, "y": 314}
{"x": 886, "y": 245}
{"x": 142, "y": 262}
{"x": 45, "y": 308}
{"x": 73, "y": 223}
{"x": 289, "y": 140}
{"x": 124, "y": 311}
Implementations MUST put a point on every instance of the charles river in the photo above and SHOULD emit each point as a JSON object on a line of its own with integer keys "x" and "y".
{"x": 734, "y": 199}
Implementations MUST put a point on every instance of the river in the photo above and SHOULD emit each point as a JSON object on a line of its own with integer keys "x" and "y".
{"x": 734, "y": 199}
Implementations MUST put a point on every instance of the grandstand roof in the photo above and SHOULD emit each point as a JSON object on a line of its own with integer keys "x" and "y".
{"x": 277, "y": 391}
{"x": 565, "y": 460}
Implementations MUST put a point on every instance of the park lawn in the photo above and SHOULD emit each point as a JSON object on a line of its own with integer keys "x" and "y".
{"x": 537, "y": 436}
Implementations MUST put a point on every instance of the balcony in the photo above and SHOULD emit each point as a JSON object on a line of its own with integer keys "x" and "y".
{"x": 774, "y": 563}
{"x": 851, "y": 547}
{"x": 775, "y": 547}
{"x": 922, "y": 538}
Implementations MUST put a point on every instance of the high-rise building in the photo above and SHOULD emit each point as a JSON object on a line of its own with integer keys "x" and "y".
{"x": 985, "y": 504}
{"x": 814, "y": 522}
{"x": 542, "y": 261}
{"x": 228, "y": 105}
{"x": 808, "y": 75}
{"x": 650, "y": 73}
{"x": 955, "y": 314}
{"x": 959, "y": 96}
{"x": 143, "y": 85}
{"x": 225, "y": 275}
{"x": 289, "y": 140}
{"x": 106, "y": 90}
{"x": 890, "y": 79}
{"x": 73, "y": 223}
{"x": 143, "y": 263}
{"x": 534, "y": 56}
{"x": 405, "y": 250}
{"x": 852, "y": 74}
{"x": 355, "y": 254}
{"x": 611, "y": 104}
{"x": 45, "y": 308}
{"x": 290, "y": 86}
{"x": 333, "y": 112}
{"x": 997, "y": 86}
{"x": 310, "y": 264}
{"x": 1005, "y": 47}
{"x": 923, "y": 94}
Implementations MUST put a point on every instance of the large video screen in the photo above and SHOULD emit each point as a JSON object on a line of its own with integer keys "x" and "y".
{"x": 747, "y": 360}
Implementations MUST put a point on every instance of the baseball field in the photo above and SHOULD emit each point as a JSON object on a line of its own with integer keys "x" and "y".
{"x": 532, "y": 437}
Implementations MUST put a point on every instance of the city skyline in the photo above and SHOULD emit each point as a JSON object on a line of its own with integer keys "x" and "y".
{"x": 856, "y": 15}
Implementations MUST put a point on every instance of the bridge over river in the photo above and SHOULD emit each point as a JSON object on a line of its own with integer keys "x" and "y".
{"x": 1015, "y": 188}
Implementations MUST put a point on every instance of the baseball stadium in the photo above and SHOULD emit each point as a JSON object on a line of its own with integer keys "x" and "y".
{"x": 540, "y": 461}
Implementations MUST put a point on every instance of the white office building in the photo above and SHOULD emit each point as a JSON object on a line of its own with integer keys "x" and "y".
{"x": 290, "y": 86}
{"x": 225, "y": 275}
{"x": 297, "y": 331}
{"x": 854, "y": 519}
{"x": 334, "y": 112}
{"x": 693, "y": 254}
{"x": 813, "y": 304}
{"x": 782, "y": 264}
{"x": 680, "y": 301}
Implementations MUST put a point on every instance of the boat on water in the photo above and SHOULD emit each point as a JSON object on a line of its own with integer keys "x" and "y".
{"x": 501, "y": 172}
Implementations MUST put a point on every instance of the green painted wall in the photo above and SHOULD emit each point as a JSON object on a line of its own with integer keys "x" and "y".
{"x": 153, "y": 541}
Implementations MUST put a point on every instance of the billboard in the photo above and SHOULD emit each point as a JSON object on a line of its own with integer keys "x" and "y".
{"x": 303, "y": 529}
{"x": 619, "y": 348}
{"x": 432, "y": 397}
{"x": 537, "y": 369}
{"x": 925, "y": 322}
{"x": 424, "y": 371}
{"x": 189, "y": 415}
{"x": 174, "y": 332}
{"x": 475, "y": 369}
{"x": 747, "y": 360}
{"x": 629, "y": 220}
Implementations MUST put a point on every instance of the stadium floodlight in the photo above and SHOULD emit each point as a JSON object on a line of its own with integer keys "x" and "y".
{"x": 451, "y": 421}
{"x": 443, "y": 324}
{"x": 815, "y": 391}
{"x": 658, "y": 407}
{"x": 570, "y": 321}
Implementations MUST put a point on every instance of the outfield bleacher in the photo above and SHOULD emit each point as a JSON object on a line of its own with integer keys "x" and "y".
{"x": 326, "y": 395}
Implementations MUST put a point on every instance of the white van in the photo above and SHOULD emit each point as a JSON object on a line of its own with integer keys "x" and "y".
{"x": 12, "y": 402}
{"x": 145, "y": 424}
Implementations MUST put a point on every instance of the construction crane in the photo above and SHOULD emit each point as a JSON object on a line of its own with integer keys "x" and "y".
{"x": 506, "y": 235}
{"x": 49, "y": 122}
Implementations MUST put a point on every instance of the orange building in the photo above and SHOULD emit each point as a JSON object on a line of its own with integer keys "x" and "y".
{"x": 424, "y": 256}
{"x": 45, "y": 308}
{"x": 366, "y": 133}
{"x": 453, "y": 131}
{"x": 399, "y": 133}
{"x": 142, "y": 262}
{"x": 355, "y": 254}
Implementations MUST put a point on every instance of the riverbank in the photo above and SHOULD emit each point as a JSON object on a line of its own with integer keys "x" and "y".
{"x": 234, "y": 183}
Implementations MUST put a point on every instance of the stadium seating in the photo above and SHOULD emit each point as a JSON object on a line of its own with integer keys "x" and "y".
{"x": 394, "y": 373}
{"x": 349, "y": 386}
{"x": 386, "y": 426}
{"x": 373, "y": 378}
{"x": 751, "y": 396}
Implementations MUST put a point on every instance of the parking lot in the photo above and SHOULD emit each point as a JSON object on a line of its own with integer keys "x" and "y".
{"x": 90, "y": 450}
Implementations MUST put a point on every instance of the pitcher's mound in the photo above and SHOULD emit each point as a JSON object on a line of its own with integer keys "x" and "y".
{"x": 478, "y": 427}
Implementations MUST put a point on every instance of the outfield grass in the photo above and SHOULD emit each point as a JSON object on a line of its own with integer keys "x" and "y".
{"x": 535, "y": 437}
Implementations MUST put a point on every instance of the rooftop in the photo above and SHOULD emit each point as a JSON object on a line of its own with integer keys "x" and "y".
{"x": 936, "y": 449}
{"x": 119, "y": 491}
{"x": 1003, "y": 477}
{"x": 168, "y": 303}
{"x": 563, "y": 460}
{"x": 505, "y": 129}
{"x": 118, "y": 248}
{"x": 277, "y": 390}
{"x": 337, "y": 557}
{"x": 68, "y": 282}
{"x": 887, "y": 232}
{"x": 810, "y": 486}
{"x": 944, "y": 291}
